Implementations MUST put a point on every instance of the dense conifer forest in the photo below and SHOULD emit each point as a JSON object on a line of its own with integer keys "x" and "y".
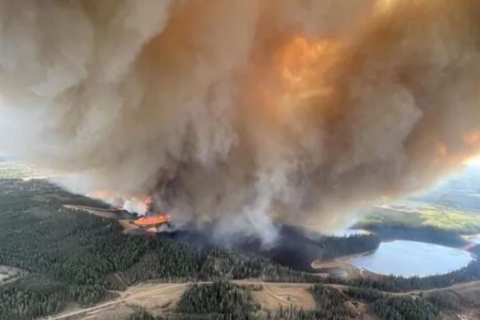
{"x": 78, "y": 257}
{"x": 74, "y": 257}
{"x": 407, "y": 307}
{"x": 420, "y": 233}
{"x": 335, "y": 247}
{"x": 227, "y": 301}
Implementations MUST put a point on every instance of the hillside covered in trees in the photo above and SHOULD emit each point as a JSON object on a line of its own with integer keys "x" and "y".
{"x": 77, "y": 257}
{"x": 74, "y": 257}
{"x": 335, "y": 247}
{"x": 224, "y": 300}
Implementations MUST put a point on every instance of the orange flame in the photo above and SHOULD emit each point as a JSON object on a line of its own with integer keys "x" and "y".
{"x": 153, "y": 221}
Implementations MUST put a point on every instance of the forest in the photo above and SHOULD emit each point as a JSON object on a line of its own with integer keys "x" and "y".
{"x": 79, "y": 257}
{"x": 226, "y": 301}
{"x": 409, "y": 307}
{"x": 74, "y": 257}
{"x": 419, "y": 233}
{"x": 335, "y": 247}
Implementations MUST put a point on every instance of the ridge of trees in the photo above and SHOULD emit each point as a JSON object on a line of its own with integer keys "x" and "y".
{"x": 140, "y": 314}
{"x": 335, "y": 247}
{"x": 388, "y": 307}
{"x": 420, "y": 233}
{"x": 223, "y": 300}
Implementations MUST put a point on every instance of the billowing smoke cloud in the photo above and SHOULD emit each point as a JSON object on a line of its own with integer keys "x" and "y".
{"x": 243, "y": 111}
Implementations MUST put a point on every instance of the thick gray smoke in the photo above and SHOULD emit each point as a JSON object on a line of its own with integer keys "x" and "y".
{"x": 245, "y": 112}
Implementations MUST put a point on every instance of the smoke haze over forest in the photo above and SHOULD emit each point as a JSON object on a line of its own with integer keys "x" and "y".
{"x": 242, "y": 112}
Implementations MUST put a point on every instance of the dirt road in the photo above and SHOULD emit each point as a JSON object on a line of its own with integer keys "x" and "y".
{"x": 130, "y": 294}
{"x": 161, "y": 296}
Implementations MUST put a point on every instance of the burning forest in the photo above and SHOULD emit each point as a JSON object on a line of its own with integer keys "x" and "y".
{"x": 245, "y": 113}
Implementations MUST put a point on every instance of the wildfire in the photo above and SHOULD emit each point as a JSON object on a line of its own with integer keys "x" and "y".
{"x": 441, "y": 149}
{"x": 108, "y": 194}
{"x": 385, "y": 5}
{"x": 467, "y": 154}
{"x": 303, "y": 67}
{"x": 471, "y": 139}
{"x": 153, "y": 220}
{"x": 134, "y": 203}
{"x": 302, "y": 64}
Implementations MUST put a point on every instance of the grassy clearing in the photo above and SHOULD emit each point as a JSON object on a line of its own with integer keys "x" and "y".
{"x": 451, "y": 219}
{"x": 439, "y": 217}
{"x": 13, "y": 170}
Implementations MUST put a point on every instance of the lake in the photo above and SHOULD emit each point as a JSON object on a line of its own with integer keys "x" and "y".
{"x": 409, "y": 258}
{"x": 350, "y": 232}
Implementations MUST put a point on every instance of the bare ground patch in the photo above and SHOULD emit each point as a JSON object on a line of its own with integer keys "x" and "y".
{"x": 9, "y": 274}
{"x": 273, "y": 296}
{"x": 157, "y": 298}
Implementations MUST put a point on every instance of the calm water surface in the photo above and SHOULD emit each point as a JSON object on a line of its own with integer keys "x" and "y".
{"x": 409, "y": 258}
{"x": 350, "y": 232}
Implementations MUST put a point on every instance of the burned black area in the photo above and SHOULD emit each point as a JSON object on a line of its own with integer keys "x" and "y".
{"x": 292, "y": 249}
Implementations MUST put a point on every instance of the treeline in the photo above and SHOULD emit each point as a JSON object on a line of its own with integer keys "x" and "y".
{"x": 221, "y": 300}
{"x": 140, "y": 314}
{"x": 80, "y": 257}
{"x": 85, "y": 255}
{"x": 331, "y": 304}
{"x": 400, "y": 284}
{"x": 406, "y": 307}
{"x": 224, "y": 300}
{"x": 36, "y": 296}
{"x": 29, "y": 301}
{"x": 428, "y": 234}
{"x": 40, "y": 236}
{"x": 449, "y": 301}
{"x": 335, "y": 247}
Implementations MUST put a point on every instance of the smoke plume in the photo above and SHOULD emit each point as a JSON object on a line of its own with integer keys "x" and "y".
{"x": 243, "y": 112}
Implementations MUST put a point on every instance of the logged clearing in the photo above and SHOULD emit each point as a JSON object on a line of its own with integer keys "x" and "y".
{"x": 9, "y": 274}
{"x": 161, "y": 298}
{"x": 102, "y": 213}
{"x": 469, "y": 291}
{"x": 272, "y": 296}
{"x": 157, "y": 298}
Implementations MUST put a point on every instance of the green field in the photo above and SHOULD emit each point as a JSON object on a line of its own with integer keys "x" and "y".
{"x": 15, "y": 170}
{"x": 440, "y": 217}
